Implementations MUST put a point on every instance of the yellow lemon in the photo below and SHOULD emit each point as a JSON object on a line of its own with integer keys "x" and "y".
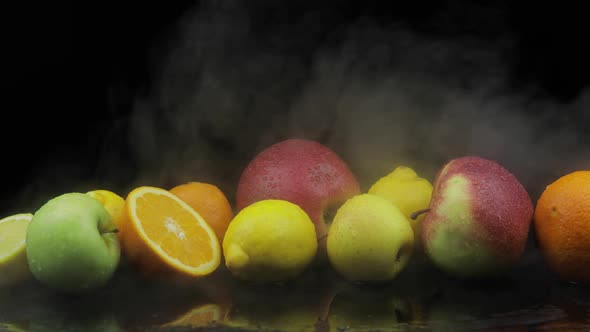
{"x": 370, "y": 240}
{"x": 270, "y": 240}
{"x": 112, "y": 202}
{"x": 406, "y": 190}
{"x": 13, "y": 260}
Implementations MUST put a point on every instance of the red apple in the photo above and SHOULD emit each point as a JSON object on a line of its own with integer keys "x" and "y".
{"x": 303, "y": 172}
{"x": 479, "y": 218}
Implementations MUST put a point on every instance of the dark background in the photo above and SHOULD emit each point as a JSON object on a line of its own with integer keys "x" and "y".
{"x": 76, "y": 68}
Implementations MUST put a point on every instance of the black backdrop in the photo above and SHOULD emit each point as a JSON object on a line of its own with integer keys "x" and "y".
{"x": 75, "y": 69}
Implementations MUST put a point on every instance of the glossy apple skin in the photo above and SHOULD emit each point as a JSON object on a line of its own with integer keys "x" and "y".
{"x": 303, "y": 172}
{"x": 71, "y": 246}
{"x": 479, "y": 220}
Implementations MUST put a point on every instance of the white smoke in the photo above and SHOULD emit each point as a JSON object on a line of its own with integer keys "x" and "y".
{"x": 224, "y": 86}
{"x": 380, "y": 97}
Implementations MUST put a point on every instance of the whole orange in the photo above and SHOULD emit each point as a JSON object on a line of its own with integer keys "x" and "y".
{"x": 210, "y": 202}
{"x": 562, "y": 226}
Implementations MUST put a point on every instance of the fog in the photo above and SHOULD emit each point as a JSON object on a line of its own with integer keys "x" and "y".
{"x": 380, "y": 95}
{"x": 223, "y": 86}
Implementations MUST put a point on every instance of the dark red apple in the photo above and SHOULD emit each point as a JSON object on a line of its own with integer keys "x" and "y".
{"x": 303, "y": 172}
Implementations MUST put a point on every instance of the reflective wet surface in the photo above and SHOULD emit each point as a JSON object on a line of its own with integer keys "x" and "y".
{"x": 421, "y": 298}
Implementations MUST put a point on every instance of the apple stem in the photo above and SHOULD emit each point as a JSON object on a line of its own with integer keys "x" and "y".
{"x": 322, "y": 237}
{"x": 419, "y": 212}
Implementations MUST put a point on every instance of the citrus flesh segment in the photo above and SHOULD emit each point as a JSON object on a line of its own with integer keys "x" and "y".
{"x": 13, "y": 231}
{"x": 13, "y": 260}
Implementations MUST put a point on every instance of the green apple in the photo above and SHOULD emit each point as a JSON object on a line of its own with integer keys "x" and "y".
{"x": 370, "y": 239}
{"x": 72, "y": 243}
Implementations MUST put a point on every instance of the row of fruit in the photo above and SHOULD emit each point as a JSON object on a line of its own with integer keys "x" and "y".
{"x": 472, "y": 222}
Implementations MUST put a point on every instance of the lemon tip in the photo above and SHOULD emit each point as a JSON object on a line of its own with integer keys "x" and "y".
{"x": 236, "y": 258}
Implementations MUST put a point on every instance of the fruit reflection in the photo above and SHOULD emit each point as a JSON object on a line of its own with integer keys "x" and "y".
{"x": 154, "y": 303}
{"x": 364, "y": 308}
{"x": 198, "y": 316}
{"x": 13, "y": 327}
{"x": 292, "y": 306}
{"x": 33, "y": 308}
{"x": 213, "y": 298}
{"x": 574, "y": 304}
{"x": 494, "y": 305}
{"x": 104, "y": 323}
{"x": 279, "y": 309}
{"x": 64, "y": 323}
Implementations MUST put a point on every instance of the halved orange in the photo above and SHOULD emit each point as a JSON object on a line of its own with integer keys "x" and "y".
{"x": 162, "y": 233}
{"x": 209, "y": 201}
